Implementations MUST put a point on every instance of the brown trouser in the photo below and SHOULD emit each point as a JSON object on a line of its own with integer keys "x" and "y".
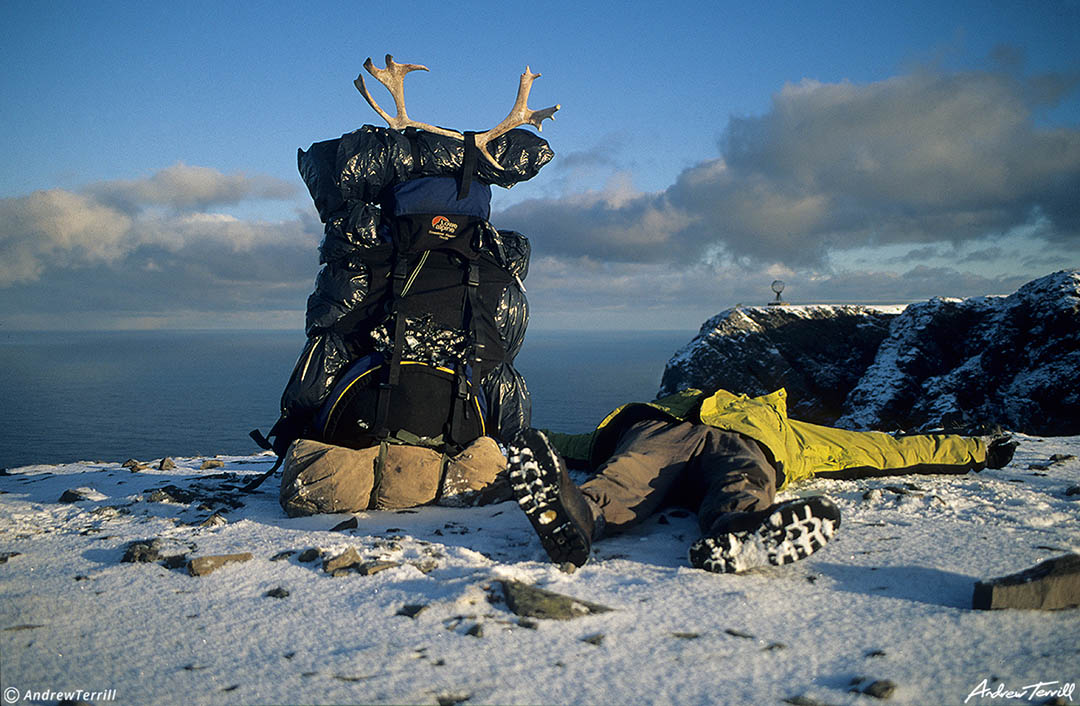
{"x": 707, "y": 470}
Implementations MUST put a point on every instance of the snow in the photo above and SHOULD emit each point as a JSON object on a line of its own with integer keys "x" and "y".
{"x": 888, "y": 598}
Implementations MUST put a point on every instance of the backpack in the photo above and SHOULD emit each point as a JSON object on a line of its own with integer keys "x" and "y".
{"x": 419, "y": 309}
{"x": 439, "y": 281}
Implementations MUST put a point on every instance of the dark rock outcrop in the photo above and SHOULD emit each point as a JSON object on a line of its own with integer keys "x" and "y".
{"x": 532, "y": 602}
{"x": 960, "y": 363}
{"x": 1013, "y": 361}
{"x": 1052, "y": 585}
{"x": 818, "y": 353}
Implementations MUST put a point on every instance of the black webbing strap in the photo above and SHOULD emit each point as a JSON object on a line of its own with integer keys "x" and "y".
{"x": 262, "y": 441}
{"x": 414, "y": 148}
{"x": 468, "y": 323}
{"x": 393, "y": 373}
{"x": 472, "y": 302}
{"x": 468, "y": 165}
{"x": 252, "y": 485}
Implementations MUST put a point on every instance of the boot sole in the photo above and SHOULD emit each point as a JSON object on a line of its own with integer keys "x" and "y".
{"x": 535, "y": 484}
{"x": 792, "y": 532}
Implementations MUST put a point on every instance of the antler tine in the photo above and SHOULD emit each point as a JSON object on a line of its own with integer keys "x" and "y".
{"x": 393, "y": 77}
{"x": 519, "y": 115}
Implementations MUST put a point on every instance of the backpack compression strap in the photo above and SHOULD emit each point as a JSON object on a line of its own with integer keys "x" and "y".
{"x": 468, "y": 165}
{"x": 461, "y": 387}
{"x": 393, "y": 376}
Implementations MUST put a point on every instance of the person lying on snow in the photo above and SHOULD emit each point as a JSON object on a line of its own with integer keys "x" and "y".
{"x": 724, "y": 456}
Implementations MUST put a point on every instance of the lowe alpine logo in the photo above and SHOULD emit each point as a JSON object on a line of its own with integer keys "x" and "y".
{"x": 443, "y": 227}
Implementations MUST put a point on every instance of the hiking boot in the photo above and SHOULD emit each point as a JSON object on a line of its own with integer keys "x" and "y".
{"x": 1000, "y": 450}
{"x": 557, "y": 509}
{"x": 777, "y": 535}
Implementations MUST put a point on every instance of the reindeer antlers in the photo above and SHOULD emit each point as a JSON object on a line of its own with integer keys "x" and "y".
{"x": 519, "y": 115}
{"x": 393, "y": 77}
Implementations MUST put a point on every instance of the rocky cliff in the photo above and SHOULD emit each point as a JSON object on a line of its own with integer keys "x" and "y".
{"x": 963, "y": 363}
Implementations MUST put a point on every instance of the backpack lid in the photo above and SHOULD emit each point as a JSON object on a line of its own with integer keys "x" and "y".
{"x": 439, "y": 194}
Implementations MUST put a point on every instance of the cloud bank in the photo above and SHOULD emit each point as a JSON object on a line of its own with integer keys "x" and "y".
{"x": 152, "y": 249}
{"x": 922, "y": 158}
{"x": 925, "y": 184}
{"x": 107, "y": 222}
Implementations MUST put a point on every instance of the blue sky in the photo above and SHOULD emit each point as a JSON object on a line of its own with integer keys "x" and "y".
{"x": 861, "y": 151}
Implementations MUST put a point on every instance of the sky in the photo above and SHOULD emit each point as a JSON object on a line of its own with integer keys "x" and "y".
{"x": 862, "y": 152}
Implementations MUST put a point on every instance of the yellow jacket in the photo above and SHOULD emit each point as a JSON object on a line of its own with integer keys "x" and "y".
{"x": 799, "y": 449}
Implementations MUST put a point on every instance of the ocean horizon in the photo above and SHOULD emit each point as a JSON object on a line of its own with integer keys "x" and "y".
{"x": 114, "y": 395}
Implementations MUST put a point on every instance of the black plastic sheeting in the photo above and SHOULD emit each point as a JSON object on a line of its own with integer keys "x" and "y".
{"x": 349, "y": 179}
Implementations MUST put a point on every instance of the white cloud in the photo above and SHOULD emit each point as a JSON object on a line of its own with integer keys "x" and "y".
{"x": 185, "y": 187}
{"x": 108, "y": 222}
{"x": 922, "y": 158}
{"x": 57, "y": 228}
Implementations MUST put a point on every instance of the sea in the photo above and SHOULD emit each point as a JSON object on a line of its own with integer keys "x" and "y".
{"x": 111, "y": 396}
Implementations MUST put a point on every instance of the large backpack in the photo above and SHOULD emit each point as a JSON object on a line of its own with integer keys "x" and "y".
{"x": 442, "y": 283}
{"x": 418, "y": 310}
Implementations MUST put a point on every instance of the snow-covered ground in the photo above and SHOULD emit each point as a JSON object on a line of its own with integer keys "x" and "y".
{"x": 888, "y": 599}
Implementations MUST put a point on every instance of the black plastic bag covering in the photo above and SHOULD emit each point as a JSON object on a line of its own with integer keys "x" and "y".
{"x": 358, "y": 166}
{"x": 338, "y": 290}
{"x": 348, "y": 178}
{"x": 509, "y": 402}
{"x": 325, "y": 355}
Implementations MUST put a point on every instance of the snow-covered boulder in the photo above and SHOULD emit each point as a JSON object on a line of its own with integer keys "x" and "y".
{"x": 1013, "y": 360}
{"x": 819, "y": 353}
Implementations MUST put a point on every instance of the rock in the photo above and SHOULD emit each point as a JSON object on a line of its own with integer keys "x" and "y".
{"x": 411, "y": 610}
{"x": 110, "y": 511}
{"x": 348, "y": 524}
{"x": 204, "y": 565}
{"x": 131, "y": 463}
{"x": 283, "y": 555}
{"x": 177, "y": 561}
{"x": 968, "y": 364}
{"x": 166, "y": 464}
{"x": 532, "y": 602}
{"x": 215, "y": 520}
{"x": 801, "y": 700}
{"x": 595, "y": 639}
{"x": 211, "y": 463}
{"x": 1072, "y": 490}
{"x": 818, "y": 353}
{"x": 171, "y": 494}
{"x": 452, "y": 699}
{"x": 345, "y": 560}
{"x": 308, "y": 555}
{"x": 880, "y": 689}
{"x": 71, "y": 496}
{"x": 4, "y": 556}
{"x": 1051, "y": 585}
{"x": 142, "y": 551}
{"x": 476, "y": 630}
{"x": 279, "y": 592}
{"x": 369, "y": 568}
{"x": 171, "y": 553}
{"x": 425, "y": 566}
